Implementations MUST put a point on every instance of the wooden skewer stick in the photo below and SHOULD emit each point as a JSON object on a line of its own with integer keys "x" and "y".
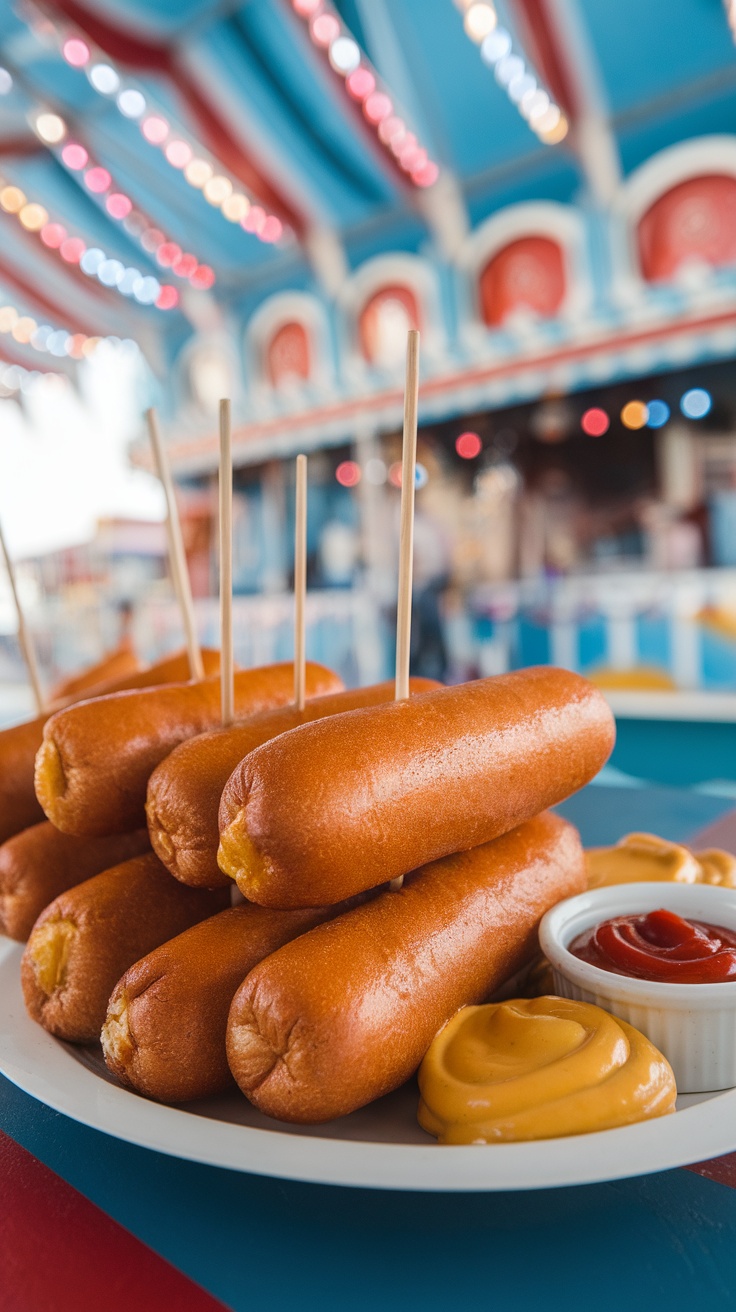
{"x": 406, "y": 540}
{"x": 227, "y": 675}
{"x": 177, "y": 558}
{"x": 300, "y": 583}
{"x": 24, "y": 637}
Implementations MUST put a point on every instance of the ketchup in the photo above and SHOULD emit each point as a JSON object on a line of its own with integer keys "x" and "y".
{"x": 660, "y": 946}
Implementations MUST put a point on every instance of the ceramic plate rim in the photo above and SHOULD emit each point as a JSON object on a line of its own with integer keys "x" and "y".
{"x": 42, "y": 1067}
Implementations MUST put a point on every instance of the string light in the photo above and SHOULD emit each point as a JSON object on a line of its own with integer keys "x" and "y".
{"x": 42, "y": 337}
{"x": 468, "y": 445}
{"x": 544, "y": 117}
{"x": 634, "y": 414}
{"x": 328, "y": 34}
{"x": 595, "y": 422}
{"x": 92, "y": 261}
{"x": 348, "y": 473}
{"x": 696, "y": 403}
{"x": 14, "y": 378}
{"x": 181, "y": 153}
{"x": 119, "y": 206}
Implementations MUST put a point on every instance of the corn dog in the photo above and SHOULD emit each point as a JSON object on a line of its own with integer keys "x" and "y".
{"x": 184, "y": 790}
{"x": 164, "y": 1035}
{"x": 91, "y": 934}
{"x": 341, "y": 805}
{"x": 118, "y": 664}
{"x": 345, "y": 1013}
{"x": 19, "y": 806}
{"x": 40, "y": 863}
{"x": 96, "y": 758}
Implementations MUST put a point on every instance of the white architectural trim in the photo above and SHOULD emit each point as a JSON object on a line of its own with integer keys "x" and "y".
{"x": 274, "y": 313}
{"x": 560, "y": 223}
{"x": 699, "y": 157}
{"x": 398, "y": 269}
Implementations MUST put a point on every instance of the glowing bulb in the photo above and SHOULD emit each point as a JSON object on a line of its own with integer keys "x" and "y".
{"x": 23, "y": 329}
{"x": 128, "y": 281}
{"x": 155, "y": 129}
{"x": 479, "y": 22}
{"x": 97, "y": 180}
{"x": 178, "y": 153}
{"x": 324, "y": 29}
{"x": 131, "y": 103}
{"x": 534, "y": 104}
{"x": 168, "y": 253}
{"x": 254, "y": 219}
{"x": 74, "y": 156}
{"x": 118, "y": 206}
{"x": 521, "y": 86}
{"x": 348, "y": 473}
{"x": 110, "y": 272}
{"x": 344, "y": 55}
{"x": 595, "y": 422}
{"x": 50, "y": 128}
{"x": 468, "y": 446}
{"x": 33, "y": 217}
{"x": 185, "y": 266}
{"x": 12, "y": 199}
{"x": 198, "y": 172}
{"x": 634, "y": 414}
{"x": 548, "y": 121}
{"x": 72, "y": 250}
{"x": 696, "y": 403}
{"x": 146, "y": 290}
{"x": 392, "y": 130}
{"x": 168, "y": 298}
{"x": 427, "y": 176}
{"x": 235, "y": 207}
{"x": 104, "y": 79}
{"x": 361, "y": 83}
{"x": 217, "y": 189}
{"x": 659, "y": 413}
{"x": 272, "y": 229}
{"x": 52, "y": 235}
{"x": 377, "y": 107}
{"x": 75, "y": 52}
{"x": 203, "y": 277}
{"x": 91, "y": 261}
{"x": 553, "y": 135}
{"x": 497, "y": 45}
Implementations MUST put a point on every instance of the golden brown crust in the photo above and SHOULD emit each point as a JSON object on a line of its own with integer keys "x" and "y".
{"x": 119, "y": 664}
{"x": 41, "y": 862}
{"x": 184, "y": 790}
{"x": 90, "y": 935}
{"x": 352, "y": 801}
{"x": 96, "y": 758}
{"x": 345, "y": 1013}
{"x": 165, "y": 1030}
{"x": 19, "y": 806}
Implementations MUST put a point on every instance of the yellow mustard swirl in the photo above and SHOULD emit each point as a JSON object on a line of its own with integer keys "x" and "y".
{"x": 539, "y": 1068}
{"x": 641, "y": 857}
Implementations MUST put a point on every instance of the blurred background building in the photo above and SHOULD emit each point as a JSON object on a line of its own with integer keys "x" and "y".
{"x": 257, "y": 200}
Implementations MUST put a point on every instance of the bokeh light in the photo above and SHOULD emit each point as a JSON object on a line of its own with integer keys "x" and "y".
{"x": 155, "y": 129}
{"x": 76, "y": 52}
{"x": 50, "y": 128}
{"x": 12, "y": 199}
{"x": 131, "y": 103}
{"x": 324, "y": 29}
{"x": 72, "y": 250}
{"x": 74, "y": 156}
{"x": 348, "y": 473}
{"x": 168, "y": 298}
{"x": 659, "y": 413}
{"x": 361, "y": 83}
{"x": 178, "y": 153}
{"x": 468, "y": 445}
{"x": 634, "y": 414}
{"x": 118, "y": 206}
{"x": 52, "y": 235}
{"x": 104, "y": 79}
{"x": 696, "y": 403}
{"x": 33, "y": 216}
{"x": 480, "y": 20}
{"x": 595, "y": 422}
{"x": 97, "y": 180}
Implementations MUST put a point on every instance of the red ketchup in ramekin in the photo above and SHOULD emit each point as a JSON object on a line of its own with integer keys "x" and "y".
{"x": 660, "y": 946}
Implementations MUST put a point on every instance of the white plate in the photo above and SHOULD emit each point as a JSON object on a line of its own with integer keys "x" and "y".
{"x": 380, "y": 1147}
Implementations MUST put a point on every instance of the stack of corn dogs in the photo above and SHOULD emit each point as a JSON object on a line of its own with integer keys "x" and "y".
{"x": 394, "y": 857}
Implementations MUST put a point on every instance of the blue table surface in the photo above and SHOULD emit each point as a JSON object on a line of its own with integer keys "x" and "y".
{"x": 257, "y": 1243}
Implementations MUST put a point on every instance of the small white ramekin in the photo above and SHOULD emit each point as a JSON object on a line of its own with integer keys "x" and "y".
{"x": 693, "y": 1025}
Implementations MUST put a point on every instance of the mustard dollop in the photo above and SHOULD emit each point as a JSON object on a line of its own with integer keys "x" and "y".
{"x": 539, "y": 1068}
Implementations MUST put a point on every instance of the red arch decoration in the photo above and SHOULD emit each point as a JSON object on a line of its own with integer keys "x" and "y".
{"x": 527, "y": 274}
{"x": 370, "y": 323}
{"x": 288, "y": 353}
{"x": 694, "y": 220}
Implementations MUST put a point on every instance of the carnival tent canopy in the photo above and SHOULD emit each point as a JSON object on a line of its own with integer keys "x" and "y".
{"x": 168, "y": 167}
